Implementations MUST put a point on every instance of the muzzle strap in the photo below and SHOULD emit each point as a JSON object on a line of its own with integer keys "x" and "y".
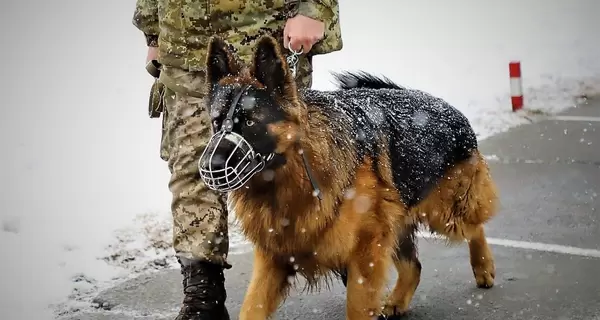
{"x": 311, "y": 178}
{"x": 228, "y": 123}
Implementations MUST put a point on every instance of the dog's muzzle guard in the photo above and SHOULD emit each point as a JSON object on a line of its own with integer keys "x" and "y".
{"x": 239, "y": 165}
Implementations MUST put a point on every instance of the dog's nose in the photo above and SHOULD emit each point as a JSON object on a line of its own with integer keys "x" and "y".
{"x": 212, "y": 162}
{"x": 225, "y": 155}
{"x": 217, "y": 162}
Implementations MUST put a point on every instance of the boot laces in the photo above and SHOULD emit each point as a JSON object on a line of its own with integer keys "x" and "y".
{"x": 203, "y": 288}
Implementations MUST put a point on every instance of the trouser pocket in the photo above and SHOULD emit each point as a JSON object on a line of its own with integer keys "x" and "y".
{"x": 156, "y": 101}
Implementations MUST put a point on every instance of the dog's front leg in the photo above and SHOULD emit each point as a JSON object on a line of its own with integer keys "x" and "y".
{"x": 366, "y": 280}
{"x": 267, "y": 288}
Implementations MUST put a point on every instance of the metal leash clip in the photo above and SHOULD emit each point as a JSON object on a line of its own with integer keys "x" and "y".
{"x": 292, "y": 60}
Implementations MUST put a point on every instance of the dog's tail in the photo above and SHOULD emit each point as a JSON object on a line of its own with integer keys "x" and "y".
{"x": 361, "y": 79}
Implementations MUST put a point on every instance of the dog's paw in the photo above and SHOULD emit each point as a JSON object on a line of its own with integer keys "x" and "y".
{"x": 485, "y": 273}
{"x": 393, "y": 312}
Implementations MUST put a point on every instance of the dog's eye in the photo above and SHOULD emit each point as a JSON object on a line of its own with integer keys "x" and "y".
{"x": 249, "y": 123}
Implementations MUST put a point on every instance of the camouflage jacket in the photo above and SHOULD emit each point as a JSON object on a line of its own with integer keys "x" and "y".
{"x": 181, "y": 28}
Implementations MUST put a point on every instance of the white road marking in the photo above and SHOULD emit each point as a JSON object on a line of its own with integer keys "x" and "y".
{"x": 245, "y": 246}
{"x": 545, "y": 247}
{"x": 576, "y": 118}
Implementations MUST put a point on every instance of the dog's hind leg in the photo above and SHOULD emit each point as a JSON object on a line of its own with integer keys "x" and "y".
{"x": 408, "y": 267}
{"x": 268, "y": 287}
{"x": 478, "y": 205}
{"x": 462, "y": 203}
{"x": 482, "y": 259}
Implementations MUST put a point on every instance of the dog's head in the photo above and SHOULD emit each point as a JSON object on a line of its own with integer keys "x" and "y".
{"x": 254, "y": 111}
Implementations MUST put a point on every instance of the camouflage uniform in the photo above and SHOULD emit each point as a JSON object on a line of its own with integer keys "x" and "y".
{"x": 181, "y": 30}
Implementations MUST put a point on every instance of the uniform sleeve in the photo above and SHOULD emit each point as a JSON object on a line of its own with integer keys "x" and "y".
{"x": 321, "y": 10}
{"x": 145, "y": 18}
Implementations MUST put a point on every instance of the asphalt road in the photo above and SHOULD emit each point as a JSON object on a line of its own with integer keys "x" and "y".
{"x": 546, "y": 242}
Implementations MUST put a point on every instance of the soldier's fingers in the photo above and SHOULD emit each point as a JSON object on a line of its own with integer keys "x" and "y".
{"x": 306, "y": 45}
{"x": 286, "y": 38}
{"x": 286, "y": 42}
{"x": 316, "y": 39}
{"x": 294, "y": 44}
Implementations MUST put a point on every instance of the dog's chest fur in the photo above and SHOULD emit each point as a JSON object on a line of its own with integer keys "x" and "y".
{"x": 301, "y": 234}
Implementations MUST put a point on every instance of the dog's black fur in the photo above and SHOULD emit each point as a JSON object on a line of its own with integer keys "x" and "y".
{"x": 425, "y": 134}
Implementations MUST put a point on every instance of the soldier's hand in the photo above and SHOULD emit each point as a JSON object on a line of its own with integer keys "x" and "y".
{"x": 301, "y": 33}
{"x": 152, "y": 54}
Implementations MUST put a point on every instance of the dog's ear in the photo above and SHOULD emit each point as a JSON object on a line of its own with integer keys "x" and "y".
{"x": 220, "y": 61}
{"x": 270, "y": 67}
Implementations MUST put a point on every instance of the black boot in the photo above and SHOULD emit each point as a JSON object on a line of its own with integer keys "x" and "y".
{"x": 204, "y": 289}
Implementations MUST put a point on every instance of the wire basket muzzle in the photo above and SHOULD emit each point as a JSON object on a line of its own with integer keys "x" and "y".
{"x": 228, "y": 162}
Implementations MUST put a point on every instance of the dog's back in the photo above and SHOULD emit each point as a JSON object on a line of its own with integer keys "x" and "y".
{"x": 425, "y": 135}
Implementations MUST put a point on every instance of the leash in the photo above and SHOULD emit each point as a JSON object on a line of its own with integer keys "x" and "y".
{"x": 292, "y": 61}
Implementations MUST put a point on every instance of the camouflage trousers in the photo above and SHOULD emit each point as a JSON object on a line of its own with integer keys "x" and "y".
{"x": 200, "y": 218}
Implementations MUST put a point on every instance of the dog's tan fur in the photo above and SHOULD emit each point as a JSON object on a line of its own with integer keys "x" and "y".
{"x": 359, "y": 221}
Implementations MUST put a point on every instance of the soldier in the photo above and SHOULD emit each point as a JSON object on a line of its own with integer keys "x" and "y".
{"x": 177, "y": 33}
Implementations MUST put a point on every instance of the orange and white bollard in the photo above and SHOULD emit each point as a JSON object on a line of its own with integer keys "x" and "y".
{"x": 516, "y": 86}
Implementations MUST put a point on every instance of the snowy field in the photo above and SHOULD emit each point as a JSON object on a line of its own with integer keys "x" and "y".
{"x": 82, "y": 183}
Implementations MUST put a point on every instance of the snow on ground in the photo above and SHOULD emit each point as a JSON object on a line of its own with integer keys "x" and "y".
{"x": 84, "y": 193}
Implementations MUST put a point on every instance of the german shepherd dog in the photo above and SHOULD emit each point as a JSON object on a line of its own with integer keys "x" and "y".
{"x": 335, "y": 183}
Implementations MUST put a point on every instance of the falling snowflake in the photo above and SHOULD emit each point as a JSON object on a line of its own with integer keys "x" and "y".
{"x": 362, "y": 204}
